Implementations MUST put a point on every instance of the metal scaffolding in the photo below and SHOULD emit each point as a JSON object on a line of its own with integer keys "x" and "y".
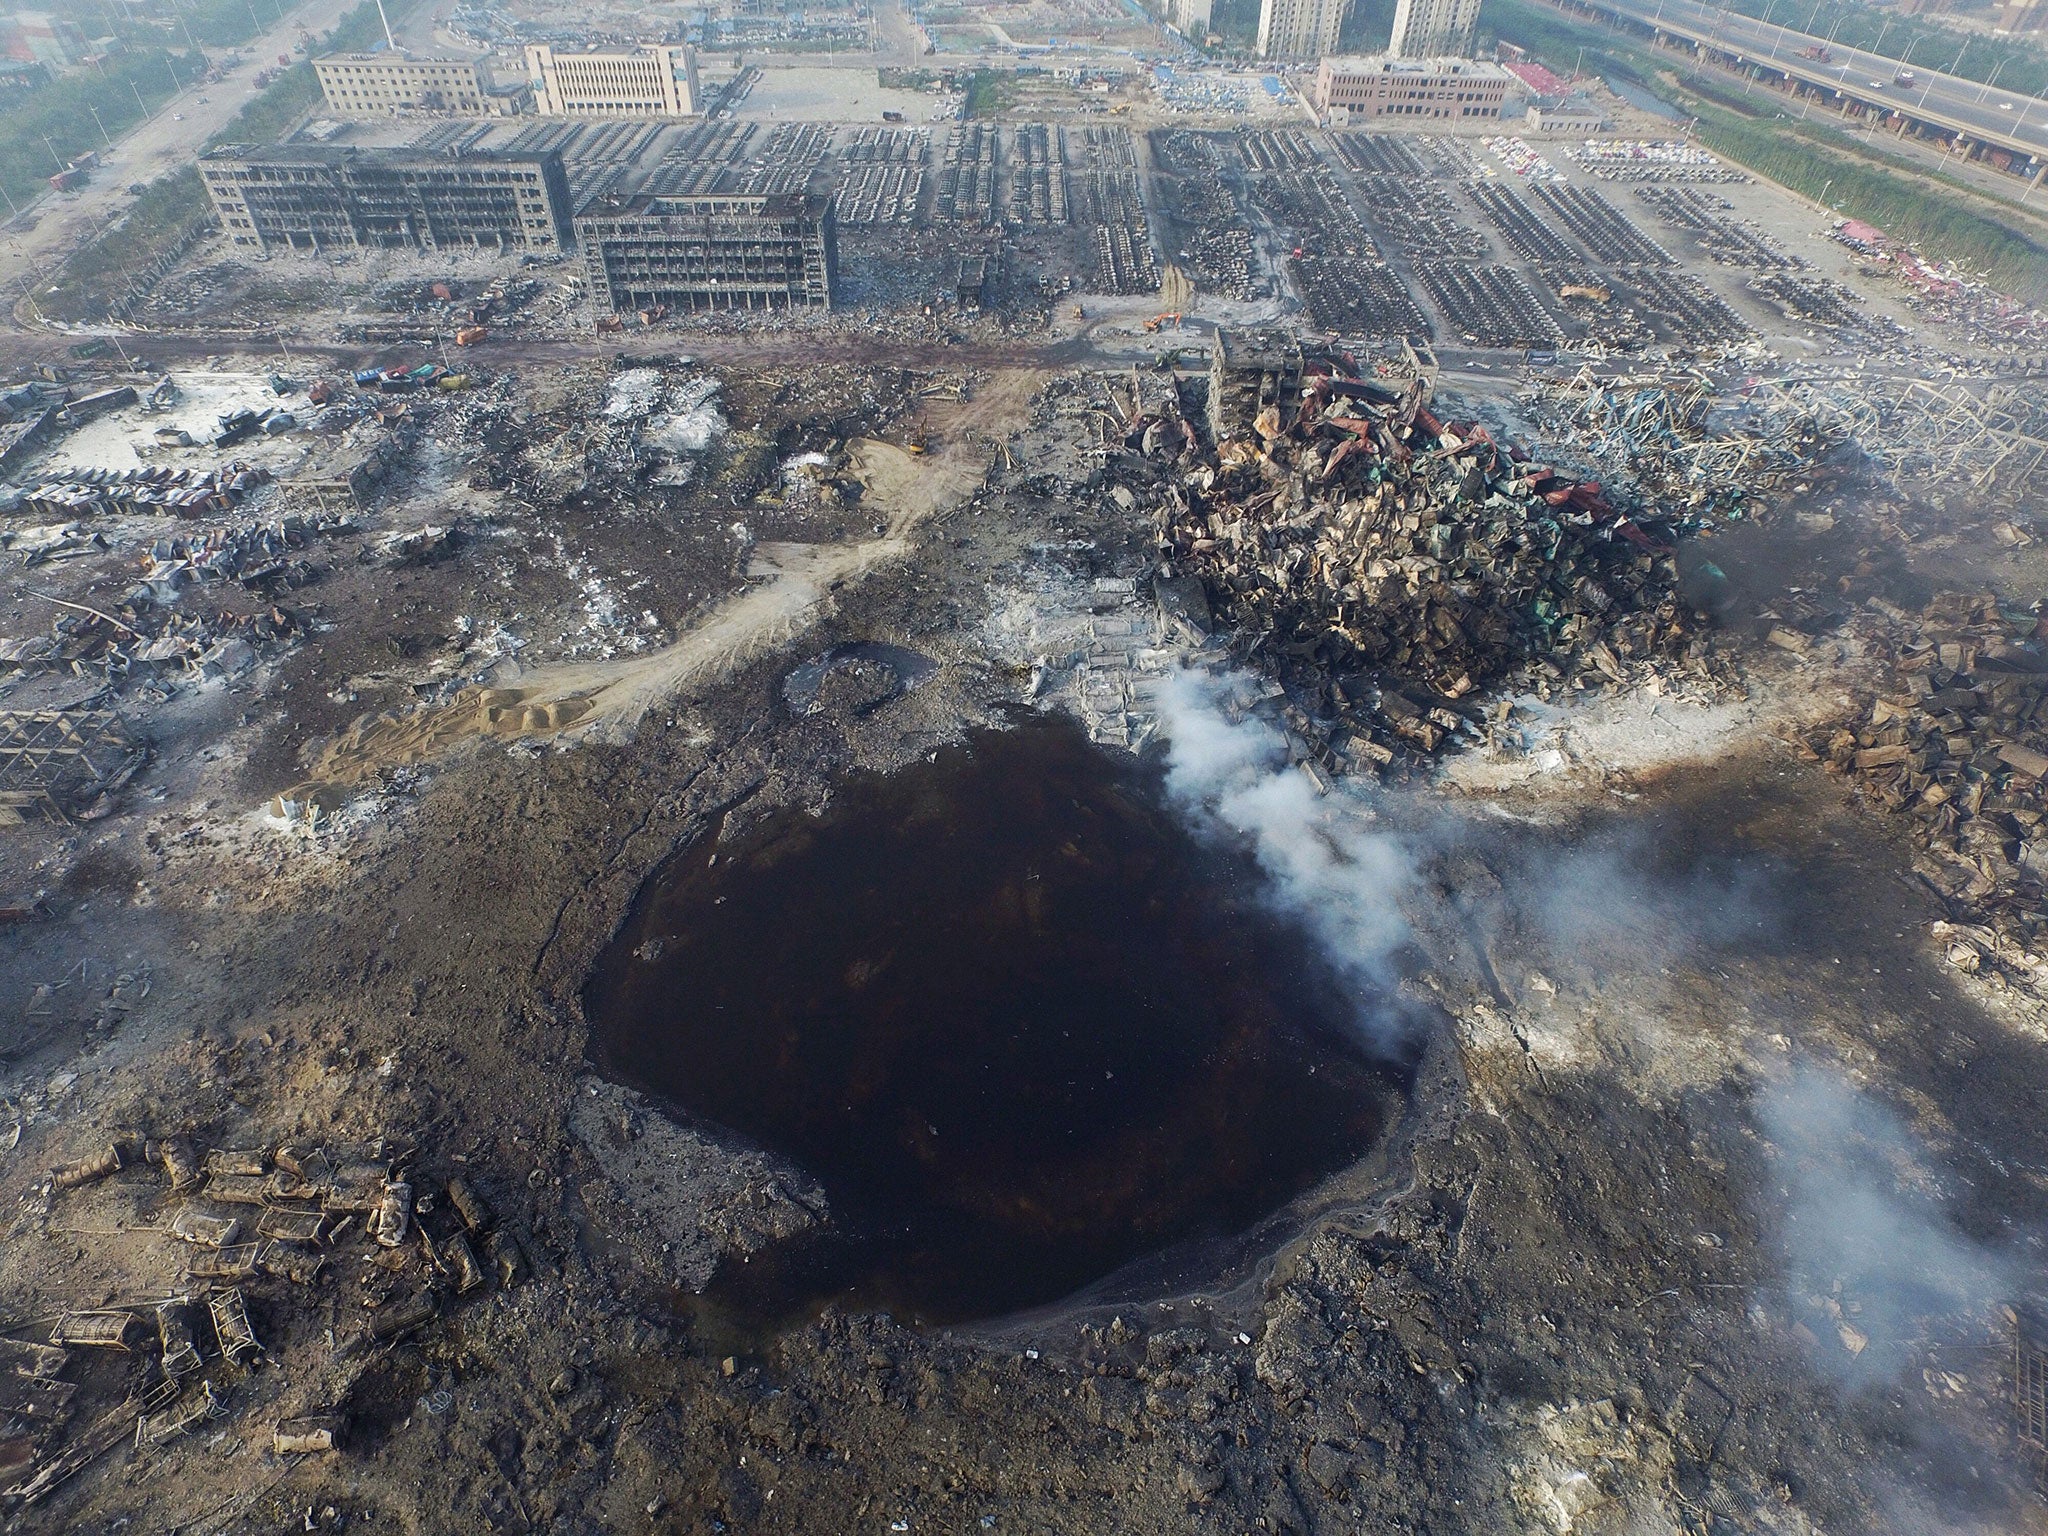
{"x": 56, "y": 764}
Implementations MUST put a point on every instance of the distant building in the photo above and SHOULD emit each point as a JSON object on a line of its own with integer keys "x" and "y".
{"x": 36, "y": 37}
{"x": 312, "y": 197}
{"x": 2022, "y": 16}
{"x": 1300, "y": 29}
{"x": 1190, "y": 18}
{"x": 657, "y": 80}
{"x": 740, "y": 251}
{"x": 1577, "y": 116}
{"x": 20, "y": 76}
{"x": 382, "y": 84}
{"x": 1433, "y": 29}
{"x": 1373, "y": 86}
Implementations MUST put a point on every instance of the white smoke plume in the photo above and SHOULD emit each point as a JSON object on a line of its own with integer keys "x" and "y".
{"x": 1331, "y": 868}
{"x": 1873, "y": 1263}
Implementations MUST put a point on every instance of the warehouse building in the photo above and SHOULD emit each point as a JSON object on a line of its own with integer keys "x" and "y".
{"x": 768, "y": 251}
{"x": 1432, "y": 90}
{"x": 318, "y": 196}
{"x": 1577, "y": 117}
{"x": 382, "y": 84}
{"x": 658, "y": 80}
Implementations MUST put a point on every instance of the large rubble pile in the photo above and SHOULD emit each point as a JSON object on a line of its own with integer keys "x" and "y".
{"x": 149, "y": 627}
{"x": 1389, "y": 565}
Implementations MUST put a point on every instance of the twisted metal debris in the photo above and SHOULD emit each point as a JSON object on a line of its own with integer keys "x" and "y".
{"x": 1715, "y": 448}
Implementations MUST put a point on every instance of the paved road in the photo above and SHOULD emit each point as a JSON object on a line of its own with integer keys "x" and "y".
{"x": 1992, "y": 114}
{"x": 152, "y": 148}
{"x": 1087, "y": 349}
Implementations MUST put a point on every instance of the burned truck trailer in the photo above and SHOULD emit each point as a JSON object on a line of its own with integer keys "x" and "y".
{"x": 752, "y": 251}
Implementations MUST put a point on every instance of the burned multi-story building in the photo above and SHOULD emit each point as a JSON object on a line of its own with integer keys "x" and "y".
{"x": 760, "y": 251}
{"x": 318, "y": 196}
{"x": 1248, "y": 372}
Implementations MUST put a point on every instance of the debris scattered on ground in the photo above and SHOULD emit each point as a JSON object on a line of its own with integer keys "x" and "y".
{"x": 1956, "y": 745}
{"x": 263, "y": 1235}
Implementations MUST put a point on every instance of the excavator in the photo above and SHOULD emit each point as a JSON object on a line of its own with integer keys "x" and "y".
{"x": 1152, "y": 326}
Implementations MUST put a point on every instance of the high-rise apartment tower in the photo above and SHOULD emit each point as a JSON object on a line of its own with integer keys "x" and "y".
{"x": 1433, "y": 29}
{"x": 1300, "y": 29}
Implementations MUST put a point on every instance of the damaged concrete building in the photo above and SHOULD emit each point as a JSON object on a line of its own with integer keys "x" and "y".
{"x": 772, "y": 251}
{"x": 1381, "y": 85}
{"x": 1248, "y": 372}
{"x": 311, "y": 197}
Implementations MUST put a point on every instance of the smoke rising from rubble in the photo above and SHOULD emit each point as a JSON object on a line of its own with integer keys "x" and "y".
{"x": 1869, "y": 1254}
{"x": 1605, "y": 898}
{"x": 1342, "y": 877}
{"x": 1575, "y": 910}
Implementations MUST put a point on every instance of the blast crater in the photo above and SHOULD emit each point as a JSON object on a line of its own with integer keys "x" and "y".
{"x": 1022, "y": 1023}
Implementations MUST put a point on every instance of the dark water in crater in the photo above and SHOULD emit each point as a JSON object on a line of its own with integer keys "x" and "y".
{"x": 1021, "y": 1025}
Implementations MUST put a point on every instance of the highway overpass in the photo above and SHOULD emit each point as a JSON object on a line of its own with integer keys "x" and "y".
{"x": 1983, "y": 121}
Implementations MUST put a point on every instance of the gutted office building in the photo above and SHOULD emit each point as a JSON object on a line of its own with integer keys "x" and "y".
{"x": 767, "y": 251}
{"x": 310, "y": 197}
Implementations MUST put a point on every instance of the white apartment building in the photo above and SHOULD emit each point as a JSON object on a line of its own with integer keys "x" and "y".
{"x": 1300, "y": 29}
{"x": 654, "y": 80}
{"x": 1190, "y": 18}
{"x": 381, "y": 84}
{"x": 1434, "y": 29}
